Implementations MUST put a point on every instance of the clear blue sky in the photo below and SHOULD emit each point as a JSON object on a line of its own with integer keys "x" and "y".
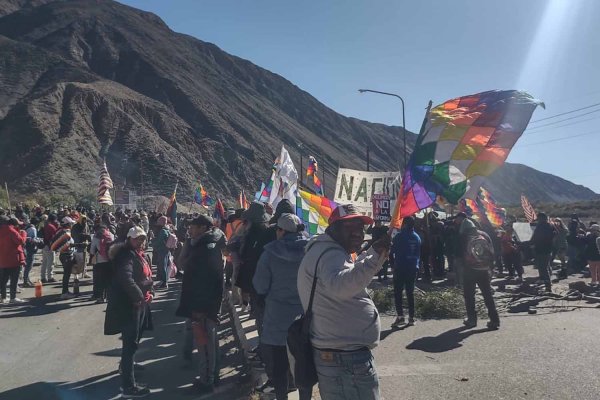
{"x": 422, "y": 50}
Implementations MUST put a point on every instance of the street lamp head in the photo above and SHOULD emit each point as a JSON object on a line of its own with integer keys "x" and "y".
{"x": 361, "y": 90}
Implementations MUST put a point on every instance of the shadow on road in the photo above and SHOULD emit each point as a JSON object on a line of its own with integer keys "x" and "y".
{"x": 446, "y": 341}
{"x": 160, "y": 355}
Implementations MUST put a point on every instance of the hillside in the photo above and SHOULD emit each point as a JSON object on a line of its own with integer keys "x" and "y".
{"x": 84, "y": 80}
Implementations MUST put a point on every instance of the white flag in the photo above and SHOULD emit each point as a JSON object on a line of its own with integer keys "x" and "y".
{"x": 285, "y": 179}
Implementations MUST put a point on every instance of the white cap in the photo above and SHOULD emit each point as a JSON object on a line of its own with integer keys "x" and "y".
{"x": 136, "y": 232}
{"x": 68, "y": 221}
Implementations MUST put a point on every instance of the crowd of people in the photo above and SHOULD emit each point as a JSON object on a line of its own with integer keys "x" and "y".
{"x": 267, "y": 262}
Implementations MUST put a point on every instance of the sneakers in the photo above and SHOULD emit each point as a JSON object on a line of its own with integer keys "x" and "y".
{"x": 411, "y": 322}
{"x": 52, "y": 280}
{"x": 44, "y": 280}
{"x": 67, "y": 296}
{"x": 86, "y": 276}
{"x": 16, "y": 301}
{"x": 4, "y": 300}
{"x": 493, "y": 325}
{"x": 134, "y": 392}
{"x": 398, "y": 321}
{"x": 28, "y": 284}
{"x": 469, "y": 323}
{"x": 266, "y": 387}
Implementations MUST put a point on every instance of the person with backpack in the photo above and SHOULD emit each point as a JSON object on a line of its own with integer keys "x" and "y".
{"x": 63, "y": 243}
{"x": 102, "y": 271}
{"x": 345, "y": 324}
{"x": 48, "y": 256}
{"x": 543, "y": 243}
{"x": 406, "y": 249}
{"x": 477, "y": 257}
{"x": 592, "y": 253}
{"x": 161, "y": 252}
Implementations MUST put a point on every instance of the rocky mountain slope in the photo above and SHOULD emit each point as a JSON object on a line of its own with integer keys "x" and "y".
{"x": 83, "y": 80}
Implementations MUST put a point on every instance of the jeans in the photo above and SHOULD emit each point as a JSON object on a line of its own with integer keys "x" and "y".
{"x": 28, "y": 264}
{"x": 209, "y": 365}
{"x": 131, "y": 335}
{"x": 67, "y": 262}
{"x": 542, "y": 262}
{"x": 101, "y": 277}
{"x": 481, "y": 278}
{"x": 278, "y": 370}
{"x": 47, "y": 263}
{"x": 405, "y": 278}
{"x": 5, "y": 275}
{"x": 162, "y": 266}
{"x": 346, "y": 375}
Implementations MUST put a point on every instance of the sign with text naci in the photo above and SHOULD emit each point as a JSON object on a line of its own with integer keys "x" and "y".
{"x": 381, "y": 207}
{"x": 358, "y": 187}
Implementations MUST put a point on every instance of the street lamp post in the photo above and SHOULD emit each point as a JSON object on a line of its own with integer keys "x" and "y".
{"x": 403, "y": 123}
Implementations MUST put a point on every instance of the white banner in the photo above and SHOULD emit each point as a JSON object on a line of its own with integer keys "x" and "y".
{"x": 358, "y": 187}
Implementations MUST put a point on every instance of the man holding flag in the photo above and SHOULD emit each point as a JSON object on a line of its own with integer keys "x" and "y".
{"x": 345, "y": 322}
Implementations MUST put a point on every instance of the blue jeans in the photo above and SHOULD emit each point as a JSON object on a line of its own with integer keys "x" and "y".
{"x": 28, "y": 264}
{"x": 346, "y": 375}
{"x": 162, "y": 266}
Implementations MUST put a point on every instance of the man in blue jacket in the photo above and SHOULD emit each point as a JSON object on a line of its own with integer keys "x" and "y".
{"x": 406, "y": 250}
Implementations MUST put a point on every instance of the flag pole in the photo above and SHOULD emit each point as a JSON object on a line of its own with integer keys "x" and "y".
{"x": 396, "y": 219}
{"x": 8, "y": 199}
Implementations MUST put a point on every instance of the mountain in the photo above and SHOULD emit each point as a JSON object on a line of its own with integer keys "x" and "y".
{"x": 83, "y": 80}
{"x": 509, "y": 182}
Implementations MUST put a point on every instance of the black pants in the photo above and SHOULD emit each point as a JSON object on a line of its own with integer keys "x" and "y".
{"x": 102, "y": 274}
{"x": 512, "y": 262}
{"x": 131, "y": 335}
{"x": 278, "y": 370}
{"x": 405, "y": 279}
{"x": 5, "y": 275}
{"x": 473, "y": 277}
{"x": 382, "y": 274}
{"x": 67, "y": 261}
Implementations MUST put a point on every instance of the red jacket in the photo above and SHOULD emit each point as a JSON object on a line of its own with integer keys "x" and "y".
{"x": 11, "y": 246}
{"x": 50, "y": 230}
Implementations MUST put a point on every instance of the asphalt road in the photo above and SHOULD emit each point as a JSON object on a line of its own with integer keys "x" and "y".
{"x": 55, "y": 349}
{"x": 544, "y": 356}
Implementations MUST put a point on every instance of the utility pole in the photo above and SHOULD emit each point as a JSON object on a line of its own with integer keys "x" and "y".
{"x": 142, "y": 179}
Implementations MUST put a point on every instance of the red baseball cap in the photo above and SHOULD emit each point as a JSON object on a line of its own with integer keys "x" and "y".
{"x": 348, "y": 211}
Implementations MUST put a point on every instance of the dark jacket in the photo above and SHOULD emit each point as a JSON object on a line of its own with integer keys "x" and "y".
{"x": 592, "y": 252}
{"x": 252, "y": 247}
{"x": 202, "y": 287}
{"x": 543, "y": 238}
{"x": 129, "y": 286}
{"x": 406, "y": 250}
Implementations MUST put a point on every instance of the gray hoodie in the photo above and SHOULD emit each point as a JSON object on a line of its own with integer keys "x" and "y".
{"x": 344, "y": 316}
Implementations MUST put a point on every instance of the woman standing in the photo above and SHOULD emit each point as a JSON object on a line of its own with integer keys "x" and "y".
{"x": 12, "y": 256}
{"x": 102, "y": 267}
{"x": 128, "y": 311}
{"x": 276, "y": 278}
